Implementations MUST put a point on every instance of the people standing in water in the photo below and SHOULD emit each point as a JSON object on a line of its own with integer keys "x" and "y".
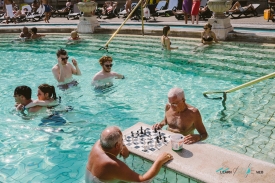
{"x": 182, "y": 118}
{"x": 105, "y": 77}
{"x": 195, "y": 11}
{"x": 25, "y": 33}
{"x": 47, "y": 10}
{"x": 63, "y": 70}
{"x": 22, "y": 96}
{"x": 34, "y": 34}
{"x": 208, "y": 36}
{"x": 165, "y": 41}
{"x": 46, "y": 97}
{"x": 104, "y": 166}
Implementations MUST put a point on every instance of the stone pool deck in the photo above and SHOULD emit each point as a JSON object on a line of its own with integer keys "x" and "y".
{"x": 203, "y": 162}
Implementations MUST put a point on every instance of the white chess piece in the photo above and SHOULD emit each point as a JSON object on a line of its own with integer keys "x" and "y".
{"x": 125, "y": 138}
{"x": 156, "y": 145}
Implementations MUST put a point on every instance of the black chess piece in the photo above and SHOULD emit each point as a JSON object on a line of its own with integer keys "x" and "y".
{"x": 141, "y": 130}
{"x": 137, "y": 133}
{"x": 157, "y": 139}
{"x": 144, "y": 132}
{"x": 164, "y": 139}
{"x": 155, "y": 130}
{"x": 132, "y": 133}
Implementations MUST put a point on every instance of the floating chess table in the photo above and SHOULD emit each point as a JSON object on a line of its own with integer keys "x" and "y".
{"x": 146, "y": 140}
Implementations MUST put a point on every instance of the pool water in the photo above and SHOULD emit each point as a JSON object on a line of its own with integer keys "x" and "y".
{"x": 36, "y": 152}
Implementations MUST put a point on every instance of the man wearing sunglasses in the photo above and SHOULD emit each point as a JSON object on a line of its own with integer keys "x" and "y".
{"x": 104, "y": 78}
{"x": 182, "y": 118}
{"x": 63, "y": 70}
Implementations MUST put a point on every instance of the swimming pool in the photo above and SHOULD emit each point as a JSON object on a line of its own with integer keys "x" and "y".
{"x": 37, "y": 153}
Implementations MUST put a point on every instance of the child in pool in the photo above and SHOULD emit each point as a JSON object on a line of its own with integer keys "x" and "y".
{"x": 74, "y": 36}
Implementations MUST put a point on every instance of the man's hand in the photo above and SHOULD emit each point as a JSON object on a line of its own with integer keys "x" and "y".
{"x": 20, "y": 107}
{"x": 74, "y": 62}
{"x": 124, "y": 152}
{"x": 190, "y": 139}
{"x": 157, "y": 126}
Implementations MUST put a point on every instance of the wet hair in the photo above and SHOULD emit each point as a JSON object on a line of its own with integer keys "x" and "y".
{"x": 61, "y": 51}
{"x": 109, "y": 141}
{"x": 165, "y": 30}
{"x": 45, "y": 88}
{"x": 23, "y": 90}
{"x": 208, "y": 25}
{"x": 176, "y": 92}
{"x": 34, "y": 30}
{"x": 104, "y": 59}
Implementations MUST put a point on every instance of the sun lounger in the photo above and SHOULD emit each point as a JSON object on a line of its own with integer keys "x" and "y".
{"x": 245, "y": 12}
{"x": 172, "y": 5}
{"x": 75, "y": 13}
{"x": 38, "y": 15}
{"x": 154, "y": 8}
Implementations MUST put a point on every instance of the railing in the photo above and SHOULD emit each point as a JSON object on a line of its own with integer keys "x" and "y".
{"x": 238, "y": 87}
{"x": 118, "y": 29}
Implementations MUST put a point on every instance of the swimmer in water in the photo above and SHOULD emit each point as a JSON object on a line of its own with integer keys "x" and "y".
{"x": 46, "y": 97}
{"x": 22, "y": 96}
{"x": 74, "y": 36}
{"x": 105, "y": 76}
{"x": 63, "y": 70}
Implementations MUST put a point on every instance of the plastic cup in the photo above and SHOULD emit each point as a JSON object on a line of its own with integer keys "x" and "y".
{"x": 176, "y": 142}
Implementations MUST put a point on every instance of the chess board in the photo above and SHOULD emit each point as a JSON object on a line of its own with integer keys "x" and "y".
{"x": 146, "y": 142}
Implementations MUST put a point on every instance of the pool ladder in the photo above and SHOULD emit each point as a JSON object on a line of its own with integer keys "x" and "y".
{"x": 238, "y": 87}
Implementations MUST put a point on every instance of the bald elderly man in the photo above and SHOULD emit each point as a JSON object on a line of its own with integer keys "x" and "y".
{"x": 103, "y": 165}
{"x": 182, "y": 118}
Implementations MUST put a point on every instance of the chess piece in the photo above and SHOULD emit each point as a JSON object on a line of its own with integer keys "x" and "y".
{"x": 132, "y": 133}
{"x": 141, "y": 130}
{"x": 159, "y": 135}
{"x": 125, "y": 138}
{"x": 155, "y": 130}
{"x": 164, "y": 139}
{"x": 137, "y": 133}
{"x": 157, "y": 139}
{"x": 145, "y": 132}
{"x": 156, "y": 145}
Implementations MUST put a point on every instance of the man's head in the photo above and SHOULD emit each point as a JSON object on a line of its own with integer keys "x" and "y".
{"x": 74, "y": 34}
{"x": 34, "y": 30}
{"x": 62, "y": 56}
{"x": 111, "y": 138}
{"x": 106, "y": 63}
{"x": 176, "y": 98}
{"x": 22, "y": 94}
{"x": 25, "y": 30}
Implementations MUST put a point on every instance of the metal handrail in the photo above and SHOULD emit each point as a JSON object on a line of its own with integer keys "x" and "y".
{"x": 118, "y": 29}
{"x": 239, "y": 87}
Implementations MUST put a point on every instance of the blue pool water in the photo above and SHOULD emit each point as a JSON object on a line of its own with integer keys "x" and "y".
{"x": 38, "y": 153}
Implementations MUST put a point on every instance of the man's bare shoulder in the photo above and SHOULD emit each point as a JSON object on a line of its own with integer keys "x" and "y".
{"x": 97, "y": 76}
{"x": 55, "y": 67}
{"x": 192, "y": 108}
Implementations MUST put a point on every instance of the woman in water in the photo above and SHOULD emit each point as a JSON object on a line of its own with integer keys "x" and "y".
{"x": 46, "y": 97}
{"x": 208, "y": 36}
{"x": 165, "y": 41}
